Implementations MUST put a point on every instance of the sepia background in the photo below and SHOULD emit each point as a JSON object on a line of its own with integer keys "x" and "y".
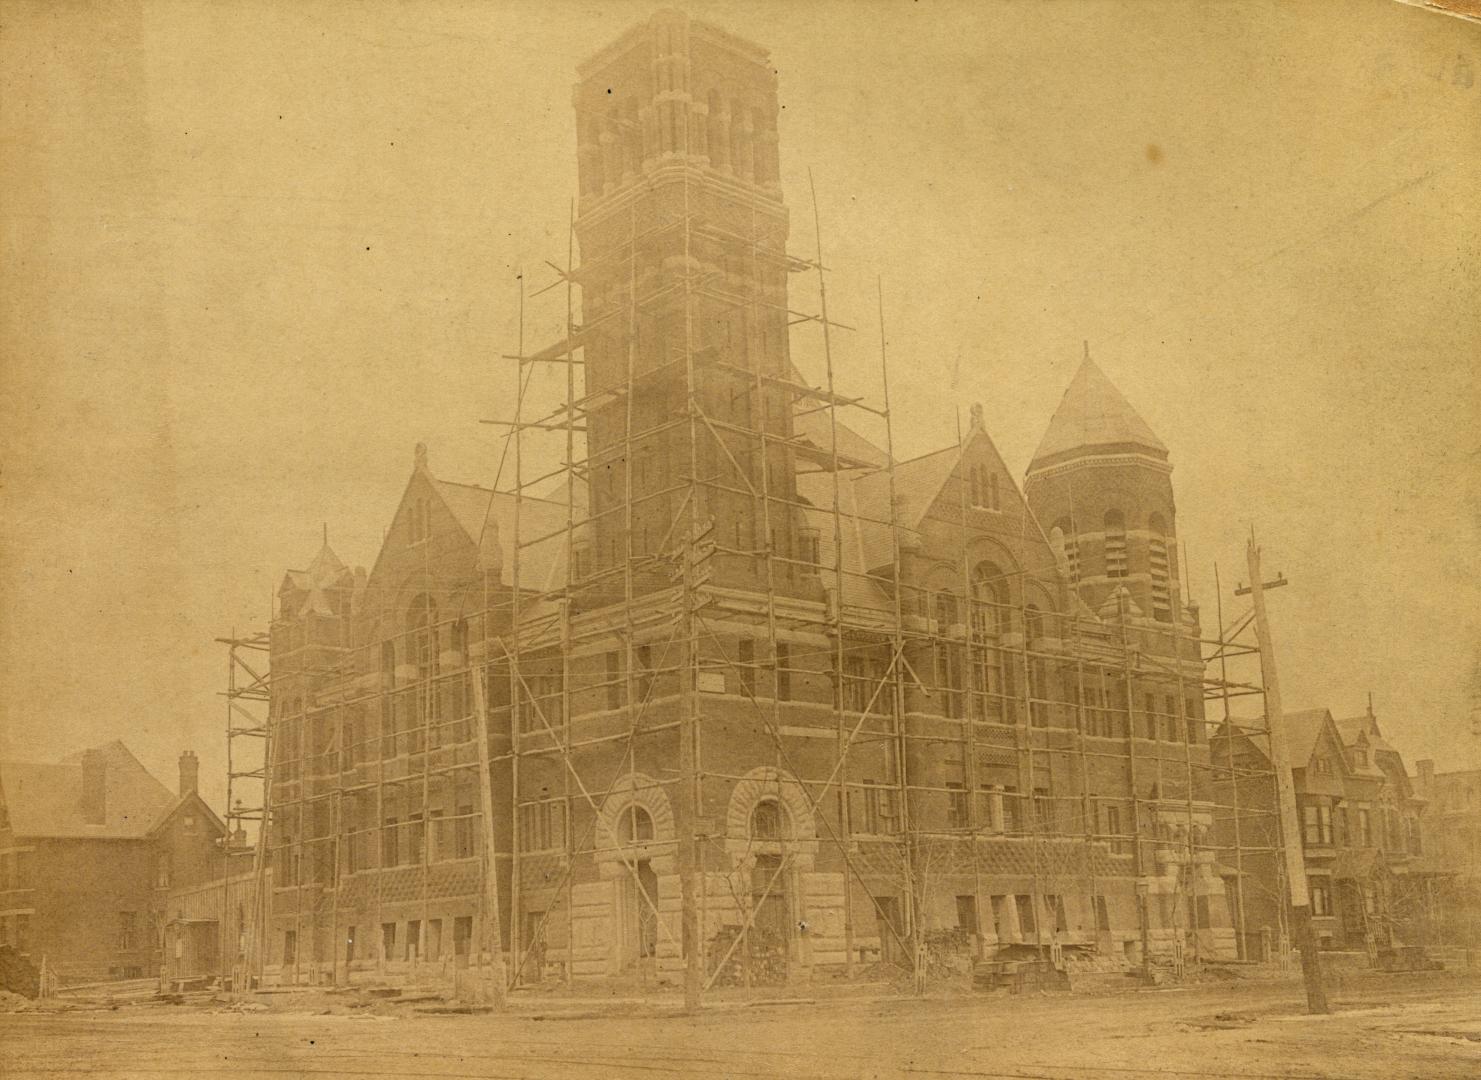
{"x": 254, "y": 252}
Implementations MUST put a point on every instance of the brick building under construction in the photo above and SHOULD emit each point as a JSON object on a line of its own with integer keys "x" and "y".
{"x": 735, "y": 691}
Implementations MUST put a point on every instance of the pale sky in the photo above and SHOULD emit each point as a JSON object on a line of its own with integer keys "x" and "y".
{"x": 254, "y": 252}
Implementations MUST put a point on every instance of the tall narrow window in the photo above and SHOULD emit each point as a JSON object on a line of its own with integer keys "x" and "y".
{"x": 645, "y": 672}
{"x": 613, "y": 675}
{"x": 745, "y": 662}
{"x": 956, "y": 804}
{"x": 783, "y": 671}
{"x": 1066, "y": 546}
{"x": 1115, "y": 544}
{"x": 991, "y": 686}
{"x": 1159, "y": 567}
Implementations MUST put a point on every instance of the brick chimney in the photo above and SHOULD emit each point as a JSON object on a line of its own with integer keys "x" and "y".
{"x": 1426, "y": 776}
{"x": 94, "y": 788}
{"x": 190, "y": 771}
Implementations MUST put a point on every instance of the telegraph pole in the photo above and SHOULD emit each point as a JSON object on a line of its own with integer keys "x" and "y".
{"x": 696, "y": 568}
{"x": 1280, "y": 760}
{"x": 490, "y": 925}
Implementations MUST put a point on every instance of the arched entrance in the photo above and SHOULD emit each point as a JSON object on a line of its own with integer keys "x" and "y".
{"x": 769, "y": 943}
{"x": 640, "y": 902}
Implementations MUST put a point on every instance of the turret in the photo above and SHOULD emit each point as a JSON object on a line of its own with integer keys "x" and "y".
{"x": 1101, "y": 485}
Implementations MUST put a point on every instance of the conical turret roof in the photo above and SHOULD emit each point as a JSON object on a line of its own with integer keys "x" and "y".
{"x": 1093, "y": 413}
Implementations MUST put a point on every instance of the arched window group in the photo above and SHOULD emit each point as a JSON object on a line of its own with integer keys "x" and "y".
{"x": 982, "y": 484}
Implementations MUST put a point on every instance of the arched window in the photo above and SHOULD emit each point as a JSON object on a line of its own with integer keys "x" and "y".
{"x": 421, "y": 620}
{"x": 712, "y": 127}
{"x": 992, "y": 684}
{"x": 635, "y": 826}
{"x": 1160, "y": 567}
{"x": 1115, "y": 544}
{"x": 760, "y": 149}
{"x": 1062, "y": 538}
{"x": 977, "y": 485}
{"x": 992, "y": 492}
{"x": 1038, "y": 677}
{"x": 1033, "y": 622}
{"x": 421, "y": 520}
{"x": 989, "y": 600}
{"x": 736, "y": 112}
{"x": 769, "y": 821}
{"x": 632, "y": 139}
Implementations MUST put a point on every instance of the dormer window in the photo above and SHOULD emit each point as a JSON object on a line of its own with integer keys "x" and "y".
{"x": 1360, "y": 758}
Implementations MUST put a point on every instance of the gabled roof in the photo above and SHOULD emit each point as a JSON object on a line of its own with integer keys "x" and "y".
{"x": 1364, "y": 727}
{"x": 1303, "y": 731}
{"x": 1093, "y": 413}
{"x": 194, "y": 801}
{"x": 45, "y": 799}
{"x": 325, "y": 571}
{"x": 486, "y": 519}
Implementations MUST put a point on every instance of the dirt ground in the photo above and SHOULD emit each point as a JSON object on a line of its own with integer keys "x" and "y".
{"x": 1385, "y": 1028}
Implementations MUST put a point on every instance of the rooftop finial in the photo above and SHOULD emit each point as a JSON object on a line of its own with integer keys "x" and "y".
{"x": 1087, "y": 349}
{"x": 419, "y": 456}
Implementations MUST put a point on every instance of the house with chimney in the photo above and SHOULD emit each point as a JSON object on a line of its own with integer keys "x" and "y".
{"x": 88, "y": 845}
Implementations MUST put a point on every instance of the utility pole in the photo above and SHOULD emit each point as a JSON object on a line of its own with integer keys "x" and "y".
{"x": 493, "y": 931}
{"x": 1280, "y": 760}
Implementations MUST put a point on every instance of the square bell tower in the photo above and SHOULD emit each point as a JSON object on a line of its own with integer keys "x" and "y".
{"x": 684, "y": 315}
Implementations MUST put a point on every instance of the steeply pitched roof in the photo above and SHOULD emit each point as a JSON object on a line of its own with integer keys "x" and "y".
{"x": 814, "y": 426}
{"x": 1303, "y": 729}
{"x": 1365, "y": 727}
{"x": 1094, "y": 413}
{"x": 325, "y": 572}
{"x": 193, "y": 800}
{"x": 45, "y": 799}
{"x": 487, "y": 517}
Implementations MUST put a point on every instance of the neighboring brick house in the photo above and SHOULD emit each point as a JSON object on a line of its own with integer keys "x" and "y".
{"x": 201, "y": 885}
{"x": 85, "y": 844}
{"x": 1451, "y": 827}
{"x": 1360, "y": 832}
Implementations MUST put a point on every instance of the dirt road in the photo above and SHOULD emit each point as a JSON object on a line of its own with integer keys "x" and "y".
{"x": 1401, "y": 1028}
